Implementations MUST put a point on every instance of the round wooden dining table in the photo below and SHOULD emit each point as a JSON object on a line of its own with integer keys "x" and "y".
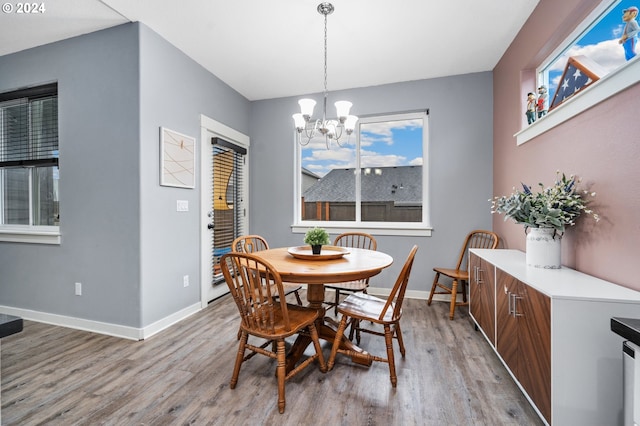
{"x": 355, "y": 264}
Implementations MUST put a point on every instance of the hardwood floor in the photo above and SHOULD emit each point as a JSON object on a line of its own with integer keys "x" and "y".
{"x": 450, "y": 376}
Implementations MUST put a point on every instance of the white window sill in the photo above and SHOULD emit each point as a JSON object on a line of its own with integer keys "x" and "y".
{"x": 414, "y": 230}
{"x": 612, "y": 83}
{"x": 51, "y": 235}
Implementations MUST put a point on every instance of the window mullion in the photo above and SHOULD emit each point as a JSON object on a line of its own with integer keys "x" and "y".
{"x": 31, "y": 196}
{"x": 358, "y": 178}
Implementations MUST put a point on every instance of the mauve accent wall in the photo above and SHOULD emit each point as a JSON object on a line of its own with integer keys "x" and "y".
{"x": 602, "y": 145}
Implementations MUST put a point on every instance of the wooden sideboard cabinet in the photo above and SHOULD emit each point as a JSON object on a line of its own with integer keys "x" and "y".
{"x": 482, "y": 296}
{"x": 551, "y": 330}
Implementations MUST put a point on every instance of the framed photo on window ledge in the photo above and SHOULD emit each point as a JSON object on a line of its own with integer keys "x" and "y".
{"x": 177, "y": 159}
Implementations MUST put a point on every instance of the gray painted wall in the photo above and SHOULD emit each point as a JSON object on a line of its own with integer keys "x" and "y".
{"x": 98, "y": 104}
{"x": 121, "y": 235}
{"x": 461, "y": 152}
{"x": 175, "y": 90}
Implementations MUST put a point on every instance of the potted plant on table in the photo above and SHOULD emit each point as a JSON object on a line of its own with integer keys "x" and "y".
{"x": 316, "y": 238}
{"x": 545, "y": 214}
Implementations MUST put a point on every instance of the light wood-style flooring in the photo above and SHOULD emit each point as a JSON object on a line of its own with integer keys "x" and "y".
{"x": 59, "y": 376}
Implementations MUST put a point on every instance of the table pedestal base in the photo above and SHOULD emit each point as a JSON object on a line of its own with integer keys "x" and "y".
{"x": 326, "y": 331}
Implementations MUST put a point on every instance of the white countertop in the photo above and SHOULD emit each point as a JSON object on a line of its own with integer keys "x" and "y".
{"x": 557, "y": 283}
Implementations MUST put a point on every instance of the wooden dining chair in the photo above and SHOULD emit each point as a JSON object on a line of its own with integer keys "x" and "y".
{"x": 253, "y": 243}
{"x": 359, "y": 307}
{"x": 354, "y": 240}
{"x": 266, "y": 316}
{"x": 460, "y": 274}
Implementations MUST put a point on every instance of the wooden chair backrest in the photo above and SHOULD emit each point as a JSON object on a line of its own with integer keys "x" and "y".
{"x": 400, "y": 287}
{"x": 356, "y": 240}
{"x": 249, "y": 244}
{"x": 476, "y": 239}
{"x": 245, "y": 274}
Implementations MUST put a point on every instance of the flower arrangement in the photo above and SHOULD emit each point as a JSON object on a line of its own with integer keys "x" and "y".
{"x": 556, "y": 207}
{"x": 317, "y": 237}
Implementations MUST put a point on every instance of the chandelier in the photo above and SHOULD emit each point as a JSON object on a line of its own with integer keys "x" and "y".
{"x": 330, "y": 129}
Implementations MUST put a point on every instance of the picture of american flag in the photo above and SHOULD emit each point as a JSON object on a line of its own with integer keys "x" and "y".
{"x": 579, "y": 73}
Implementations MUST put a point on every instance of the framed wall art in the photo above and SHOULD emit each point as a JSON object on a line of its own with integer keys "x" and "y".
{"x": 177, "y": 159}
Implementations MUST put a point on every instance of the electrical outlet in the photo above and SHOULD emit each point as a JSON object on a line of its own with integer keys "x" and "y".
{"x": 185, "y": 281}
{"x": 78, "y": 289}
{"x": 182, "y": 205}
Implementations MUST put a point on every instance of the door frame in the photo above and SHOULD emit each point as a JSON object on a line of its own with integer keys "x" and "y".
{"x": 211, "y": 128}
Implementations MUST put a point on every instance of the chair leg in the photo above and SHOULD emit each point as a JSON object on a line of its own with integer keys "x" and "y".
{"x": 297, "y": 294}
{"x": 336, "y": 342}
{"x": 239, "y": 357}
{"x": 400, "y": 340}
{"x": 433, "y": 288}
{"x": 354, "y": 330}
{"x": 316, "y": 344}
{"x": 454, "y": 297}
{"x": 281, "y": 373}
{"x": 337, "y": 302}
{"x": 388, "y": 338}
{"x": 464, "y": 290}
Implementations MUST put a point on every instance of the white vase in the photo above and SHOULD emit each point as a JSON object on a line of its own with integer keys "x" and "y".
{"x": 543, "y": 248}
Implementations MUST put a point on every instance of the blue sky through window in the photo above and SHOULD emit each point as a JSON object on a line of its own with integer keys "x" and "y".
{"x": 382, "y": 144}
{"x": 600, "y": 44}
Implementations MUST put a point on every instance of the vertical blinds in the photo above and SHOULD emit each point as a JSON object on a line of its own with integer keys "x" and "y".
{"x": 228, "y": 204}
{"x": 29, "y": 127}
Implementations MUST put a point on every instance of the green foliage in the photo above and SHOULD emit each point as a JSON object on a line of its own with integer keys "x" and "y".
{"x": 316, "y": 237}
{"x": 556, "y": 207}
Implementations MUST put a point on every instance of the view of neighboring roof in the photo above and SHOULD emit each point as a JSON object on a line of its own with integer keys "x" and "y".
{"x": 309, "y": 173}
{"x": 402, "y": 185}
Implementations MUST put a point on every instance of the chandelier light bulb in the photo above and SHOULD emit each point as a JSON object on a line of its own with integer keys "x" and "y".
{"x": 342, "y": 108}
{"x": 350, "y": 123}
{"x": 299, "y": 121}
{"x": 306, "y": 107}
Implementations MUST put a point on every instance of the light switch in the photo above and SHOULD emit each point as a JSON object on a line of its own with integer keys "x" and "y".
{"x": 182, "y": 205}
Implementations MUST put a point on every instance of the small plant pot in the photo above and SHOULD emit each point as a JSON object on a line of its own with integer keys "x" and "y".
{"x": 316, "y": 249}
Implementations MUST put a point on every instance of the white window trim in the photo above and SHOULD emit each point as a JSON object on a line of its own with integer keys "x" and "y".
{"x": 32, "y": 234}
{"x": 422, "y": 229}
{"x": 606, "y": 87}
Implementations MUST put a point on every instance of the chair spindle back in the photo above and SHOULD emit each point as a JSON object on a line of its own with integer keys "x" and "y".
{"x": 246, "y": 275}
{"x": 400, "y": 287}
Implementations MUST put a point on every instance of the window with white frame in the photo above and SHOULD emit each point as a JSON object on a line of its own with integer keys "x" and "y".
{"x": 599, "y": 46}
{"x": 596, "y": 61}
{"x": 29, "y": 160}
{"x": 377, "y": 179}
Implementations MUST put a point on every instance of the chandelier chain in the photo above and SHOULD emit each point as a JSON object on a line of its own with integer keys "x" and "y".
{"x": 325, "y": 56}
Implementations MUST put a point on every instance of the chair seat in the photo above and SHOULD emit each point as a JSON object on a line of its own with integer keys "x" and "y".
{"x": 349, "y": 286}
{"x": 367, "y": 307}
{"x": 458, "y": 274}
{"x": 299, "y": 317}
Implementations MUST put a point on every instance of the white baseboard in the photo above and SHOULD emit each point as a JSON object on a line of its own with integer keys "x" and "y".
{"x": 167, "y": 322}
{"x": 133, "y": 333}
{"x": 122, "y": 331}
{"x": 412, "y": 294}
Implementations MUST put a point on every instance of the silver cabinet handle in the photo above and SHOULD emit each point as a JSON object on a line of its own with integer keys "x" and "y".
{"x": 513, "y": 307}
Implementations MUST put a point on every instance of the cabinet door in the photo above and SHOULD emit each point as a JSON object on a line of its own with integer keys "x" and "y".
{"x": 534, "y": 332}
{"x": 482, "y": 295}
{"x": 523, "y": 337}
{"x": 506, "y": 322}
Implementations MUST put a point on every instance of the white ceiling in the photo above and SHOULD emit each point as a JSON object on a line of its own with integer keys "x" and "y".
{"x": 269, "y": 49}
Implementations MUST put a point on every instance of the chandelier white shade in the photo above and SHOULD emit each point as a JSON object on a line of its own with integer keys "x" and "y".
{"x": 306, "y": 127}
